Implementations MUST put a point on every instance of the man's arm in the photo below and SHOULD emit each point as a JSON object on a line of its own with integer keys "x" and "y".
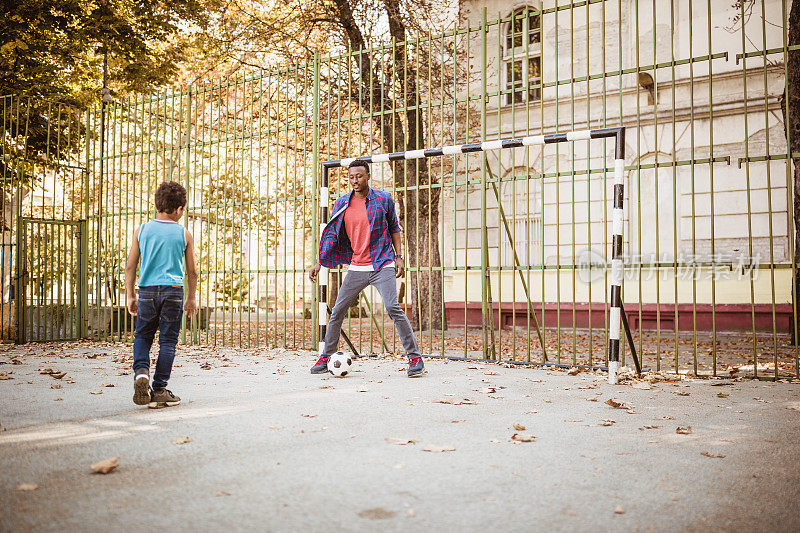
{"x": 399, "y": 262}
{"x": 130, "y": 273}
{"x": 191, "y": 275}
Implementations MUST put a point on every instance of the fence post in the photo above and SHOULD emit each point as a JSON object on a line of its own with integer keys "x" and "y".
{"x": 486, "y": 289}
{"x": 315, "y": 188}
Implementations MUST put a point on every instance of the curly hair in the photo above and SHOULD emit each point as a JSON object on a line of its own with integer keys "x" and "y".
{"x": 170, "y": 195}
{"x": 359, "y": 163}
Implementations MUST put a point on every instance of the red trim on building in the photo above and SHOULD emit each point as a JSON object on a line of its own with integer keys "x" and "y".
{"x": 728, "y": 317}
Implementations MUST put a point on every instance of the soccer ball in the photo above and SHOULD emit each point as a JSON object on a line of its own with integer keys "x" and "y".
{"x": 339, "y": 364}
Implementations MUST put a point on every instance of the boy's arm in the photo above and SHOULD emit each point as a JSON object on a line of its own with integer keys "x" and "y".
{"x": 191, "y": 274}
{"x": 130, "y": 273}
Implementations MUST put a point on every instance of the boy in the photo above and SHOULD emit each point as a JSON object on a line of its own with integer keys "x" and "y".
{"x": 364, "y": 232}
{"x": 163, "y": 245}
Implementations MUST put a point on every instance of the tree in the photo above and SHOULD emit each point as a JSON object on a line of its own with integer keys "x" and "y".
{"x": 384, "y": 87}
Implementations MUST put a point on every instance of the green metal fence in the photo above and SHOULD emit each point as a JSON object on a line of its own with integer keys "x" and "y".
{"x": 496, "y": 242}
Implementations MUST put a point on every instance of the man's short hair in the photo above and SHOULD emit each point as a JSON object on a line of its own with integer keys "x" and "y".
{"x": 170, "y": 195}
{"x": 359, "y": 163}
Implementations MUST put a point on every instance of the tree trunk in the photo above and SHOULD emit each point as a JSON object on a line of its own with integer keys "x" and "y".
{"x": 791, "y": 103}
{"x": 418, "y": 210}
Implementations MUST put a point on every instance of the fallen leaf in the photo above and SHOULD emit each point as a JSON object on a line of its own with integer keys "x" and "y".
{"x": 362, "y": 390}
{"x": 399, "y": 442}
{"x": 494, "y": 441}
{"x": 683, "y": 394}
{"x": 651, "y": 427}
{"x": 642, "y": 385}
{"x": 574, "y": 371}
{"x": 58, "y": 375}
{"x": 519, "y": 427}
{"x": 325, "y": 386}
{"x": 56, "y": 385}
{"x": 619, "y": 510}
{"x": 713, "y": 455}
{"x": 275, "y": 427}
{"x": 105, "y": 466}
{"x": 222, "y": 493}
{"x": 437, "y": 449}
{"x": 488, "y": 390}
{"x": 107, "y": 385}
{"x": 607, "y": 422}
{"x": 26, "y": 486}
{"x": 722, "y": 395}
{"x": 762, "y": 400}
{"x": 453, "y": 401}
{"x": 376, "y": 513}
{"x": 96, "y": 392}
{"x": 4, "y": 375}
{"x": 615, "y": 404}
{"x": 308, "y": 416}
{"x": 680, "y": 430}
{"x": 57, "y": 399}
{"x": 522, "y": 437}
{"x": 181, "y": 440}
{"x": 592, "y": 399}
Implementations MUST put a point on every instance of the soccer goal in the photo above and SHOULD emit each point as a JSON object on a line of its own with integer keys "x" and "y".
{"x": 616, "y": 310}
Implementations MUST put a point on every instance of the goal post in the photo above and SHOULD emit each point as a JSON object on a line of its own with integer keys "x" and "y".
{"x": 616, "y": 273}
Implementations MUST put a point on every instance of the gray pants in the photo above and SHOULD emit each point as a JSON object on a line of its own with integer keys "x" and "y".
{"x": 355, "y": 282}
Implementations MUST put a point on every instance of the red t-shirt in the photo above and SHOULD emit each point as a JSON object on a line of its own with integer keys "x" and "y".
{"x": 356, "y": 224}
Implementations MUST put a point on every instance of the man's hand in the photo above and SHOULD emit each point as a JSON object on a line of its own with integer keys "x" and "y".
{"x": 399, "y": 266}
{"x": 133, "y": 305}
{"x": 314, "y": 271}
{"x": 190, "y": 307}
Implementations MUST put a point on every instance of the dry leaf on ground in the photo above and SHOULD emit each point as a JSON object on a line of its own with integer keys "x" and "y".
{"x": 522, "y": 437}
{"x": 722, "y": 395}
{"x": 181, "y": 440}
{"x": 681, "y": 430}
{"x": 650, "y": 427}
{"x": 713, "y": 455}
{"x": 4, "y": 375}
{"x": 376, "y": 513}
{"x": 453, "y": 401}
{"x": 105, "y": 466}
{"x": 26, "y": 486}
{"x": 437, "y": 449}
{"x": 56, "y": 385}
{"x": 619, "y": 510}
{"x": 107, "y": 385}
{"x": 222, "y": 493}
{"x": 400, "y": 442}
{"x": 616, "y": 404}
{"x": 607, "y": 422}
{"x": 308, "y": 416}
{"x": 96, "y": 392}
{"x": 519, "y": 427}
{"x": 641, "y": 385}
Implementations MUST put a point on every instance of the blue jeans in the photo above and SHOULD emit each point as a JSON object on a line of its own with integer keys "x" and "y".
{"x": 160, "y": 308}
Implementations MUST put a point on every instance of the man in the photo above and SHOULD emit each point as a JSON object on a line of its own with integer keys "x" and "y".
{"x": 364, "y": 232}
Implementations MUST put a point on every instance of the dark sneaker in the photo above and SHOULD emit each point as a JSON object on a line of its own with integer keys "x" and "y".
{"x": 141, "y": 386}
{"x": 415, "y": 367}
{"x": 321, "y": 366}
{"x": 162, "y": 398}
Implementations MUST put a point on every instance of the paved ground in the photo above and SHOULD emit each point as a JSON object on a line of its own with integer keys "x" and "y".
{"x": 275, "y": 448}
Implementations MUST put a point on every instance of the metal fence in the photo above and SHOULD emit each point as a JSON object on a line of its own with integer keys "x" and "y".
{"x": 497, "y": 243}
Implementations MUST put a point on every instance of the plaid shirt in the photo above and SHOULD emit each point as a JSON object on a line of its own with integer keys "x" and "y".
{"x": 335, "y": 248}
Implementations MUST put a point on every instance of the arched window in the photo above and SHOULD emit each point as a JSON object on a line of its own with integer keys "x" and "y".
{"x": 522, "y": 56}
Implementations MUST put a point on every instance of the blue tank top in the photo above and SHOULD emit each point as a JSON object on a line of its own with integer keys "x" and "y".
{"x": 162, "y": 245}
